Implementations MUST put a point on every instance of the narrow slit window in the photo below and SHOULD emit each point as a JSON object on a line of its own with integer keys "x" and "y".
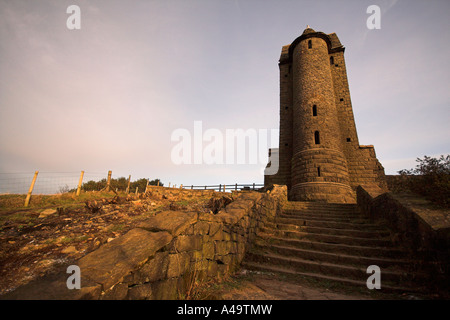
{"x": 317, "y": 137}
{"x": 318, "y": 171}
{"x": 309, "y": 44}
{"x": 331, "y": 60}
{"x": 314, "y": 110}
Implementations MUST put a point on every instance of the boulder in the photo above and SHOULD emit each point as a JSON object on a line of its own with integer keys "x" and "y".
{"x": 47, "y": 212}
{"x": 174, "y": 222}
{"x": 114, "y": 260}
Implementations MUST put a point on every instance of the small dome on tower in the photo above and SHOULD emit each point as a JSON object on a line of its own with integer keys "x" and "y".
{"x": 308, "y": 30}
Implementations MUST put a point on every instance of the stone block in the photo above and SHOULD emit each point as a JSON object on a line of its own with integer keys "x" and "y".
{"x": 174, "y": 222}
{"x": 201, "y": 227}
{"x": 178, "y": 264}
{"x": 215, "y": 227}
{"x": 208, "y": 250}
{"x": 118, "y": 292}
{"x": 221, "y": 247}
{"x": 155, "y": 269}
{"x": 218, "y": 236}
{"x": 165, "y": 289}
{"x": 141, "y": 292}
{"x": 116, "y": 259}
{"x": 188, "y": 243}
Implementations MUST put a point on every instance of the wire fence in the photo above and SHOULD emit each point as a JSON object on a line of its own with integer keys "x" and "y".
{"x": 46, "y": 182}
{"x": 226, "y": 187}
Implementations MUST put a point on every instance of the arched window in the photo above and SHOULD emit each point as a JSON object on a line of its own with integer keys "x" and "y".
{"x": 309, "y": 44}
{"x": 316, "y": 137}
{"x": 314, "y": 110}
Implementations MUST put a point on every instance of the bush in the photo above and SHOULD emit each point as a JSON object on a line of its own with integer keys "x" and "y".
{"x": 430, "y": 178}
{"x": 119, "y": 184}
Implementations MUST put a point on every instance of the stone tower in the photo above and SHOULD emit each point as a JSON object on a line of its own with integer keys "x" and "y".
{"x": 320, "y": 158}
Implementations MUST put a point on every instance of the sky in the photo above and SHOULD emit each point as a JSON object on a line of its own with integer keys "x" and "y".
{"x": 110, "y": 95}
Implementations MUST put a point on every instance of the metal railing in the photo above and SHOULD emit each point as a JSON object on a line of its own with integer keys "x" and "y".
{"x": 225, "y": 187}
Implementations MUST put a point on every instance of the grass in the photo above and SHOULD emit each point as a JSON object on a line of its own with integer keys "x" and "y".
{"x": 117, "y": 227}
{"x": 16, "y": 201}
{"x": 183, "y": 203}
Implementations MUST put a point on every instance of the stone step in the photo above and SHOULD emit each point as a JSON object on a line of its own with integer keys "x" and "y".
{"x": 323, "y": 212}
{"x": 319, "y": 205}
{"x": 385, "y": 287}
{"x": 386, "y": 252}
{"x": 324, "y": 215}
{"x": 331, "y": 257}
{"x": 329, "y": 224}
{"x": 329, "y": 218}
{"x": 331, "y": 269}
{"x": 330, "y": 231}
{"x": 328, "y": 238}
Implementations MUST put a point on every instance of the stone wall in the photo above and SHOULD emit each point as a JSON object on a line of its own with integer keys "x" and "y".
{"x": 425, "y": 233}
{"x": 167, "y": 253}
{"x": 364, "y": 168}
{"x": 186, "y": 247}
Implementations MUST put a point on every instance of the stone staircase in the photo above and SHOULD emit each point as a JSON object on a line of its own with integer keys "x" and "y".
{"x": 333, "y": 243}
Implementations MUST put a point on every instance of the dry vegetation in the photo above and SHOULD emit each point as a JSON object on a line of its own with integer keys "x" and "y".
{"x": 61, "y": 228}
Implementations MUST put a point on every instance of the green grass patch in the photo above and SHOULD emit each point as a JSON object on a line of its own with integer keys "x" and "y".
{"x": 116, "y": 227}
{"x": 17, "y": 201}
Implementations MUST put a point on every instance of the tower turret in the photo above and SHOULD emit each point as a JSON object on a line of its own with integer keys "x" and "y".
{"x": 319, "y": 168}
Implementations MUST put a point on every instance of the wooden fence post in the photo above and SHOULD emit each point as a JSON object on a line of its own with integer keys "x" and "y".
{"x": 137, "y": 188}
{"x": 128, "y": 187}
{"x": 235, "y": 187}
{"x": 108, "y": 183}
{"x": 158, "y": 183}
{"x": 80, "y": 183}
{"x": 27, "y": 200}
{"x": 146, "y": 187}
{"x": 224, "y": 188}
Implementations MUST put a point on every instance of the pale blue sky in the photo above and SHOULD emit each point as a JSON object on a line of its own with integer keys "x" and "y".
{"x": 108, "y": 96}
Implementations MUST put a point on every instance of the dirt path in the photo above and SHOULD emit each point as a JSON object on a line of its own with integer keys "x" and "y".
{"x": 265, "y": 288}
{"x": 252, "y": 285}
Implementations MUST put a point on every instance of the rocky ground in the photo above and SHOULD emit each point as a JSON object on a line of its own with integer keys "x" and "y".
{"x": 35, "y": 240}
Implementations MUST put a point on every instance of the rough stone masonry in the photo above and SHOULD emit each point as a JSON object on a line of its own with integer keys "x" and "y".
{"x": 320, "y": 158}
